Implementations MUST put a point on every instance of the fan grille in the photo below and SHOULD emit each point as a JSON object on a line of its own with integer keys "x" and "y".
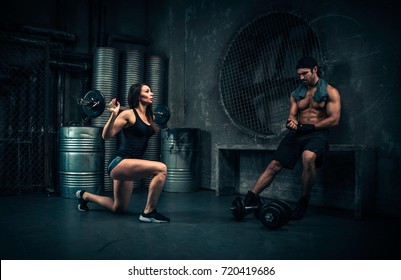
{"x": 258, "y": 72}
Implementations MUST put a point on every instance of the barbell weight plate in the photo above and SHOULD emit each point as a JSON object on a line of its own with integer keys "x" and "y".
{"x": 93, "y": 103}
{"x": 238, "y": 209}
{"x": 270, "y": 217}
{"x": 287, "y": 210}
{"x": 283, "y": 215}
{"x": 162, "y": 115}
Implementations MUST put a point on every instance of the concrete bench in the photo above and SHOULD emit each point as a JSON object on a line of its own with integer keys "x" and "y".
{"x": 364, "y": 171}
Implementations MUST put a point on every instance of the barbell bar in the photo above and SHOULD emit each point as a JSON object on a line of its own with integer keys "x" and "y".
{"x": 94, "y": 104}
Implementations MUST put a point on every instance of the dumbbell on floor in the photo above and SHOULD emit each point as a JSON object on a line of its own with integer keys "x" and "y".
{"x": 239, "y": 210}
{"x": 275, "y": 214}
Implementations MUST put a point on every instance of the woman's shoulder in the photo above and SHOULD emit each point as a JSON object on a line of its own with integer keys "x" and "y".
{"x": 126, "y": 112}
{"x": 128, "y": 115}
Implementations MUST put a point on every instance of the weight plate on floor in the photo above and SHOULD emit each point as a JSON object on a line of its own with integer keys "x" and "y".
{"x": 270, "y": 216}
{"x": 287, "y": 210}
{"x": 238, "y": 209}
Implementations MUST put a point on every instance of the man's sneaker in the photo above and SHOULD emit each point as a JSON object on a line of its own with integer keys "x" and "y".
{"x": 153, "y": 217}
{"x": 252, "y": 199}
{"x": 82, "y": 204}
{"x": 300, "y": 210}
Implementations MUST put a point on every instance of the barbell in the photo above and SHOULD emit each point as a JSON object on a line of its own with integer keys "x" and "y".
{"x": 94, "y": 104}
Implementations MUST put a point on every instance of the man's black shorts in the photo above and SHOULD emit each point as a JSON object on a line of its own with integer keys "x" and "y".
{"x": 294, "y": 143}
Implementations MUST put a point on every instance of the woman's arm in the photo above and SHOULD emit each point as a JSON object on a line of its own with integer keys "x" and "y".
{"x": 116, "y": 122}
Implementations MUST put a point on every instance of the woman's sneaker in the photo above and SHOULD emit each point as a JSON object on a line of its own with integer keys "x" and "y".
{"x": 153, "y": 217}
{"x": 82, "y": 204}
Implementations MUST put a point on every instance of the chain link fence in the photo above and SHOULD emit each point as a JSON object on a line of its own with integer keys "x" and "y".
{"x": 23, "y": 70}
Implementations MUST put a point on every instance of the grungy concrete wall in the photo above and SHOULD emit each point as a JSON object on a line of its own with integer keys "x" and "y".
{"x": 361, "y": 57}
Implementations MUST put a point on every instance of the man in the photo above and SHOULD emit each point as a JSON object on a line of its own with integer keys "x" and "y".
{"x": 314, "y": 107}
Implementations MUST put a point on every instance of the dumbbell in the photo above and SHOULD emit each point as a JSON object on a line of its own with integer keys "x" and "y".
{"x": 275, "y": 214}
{"x": 239, "y": 210}
{"x": 94, "y": 104}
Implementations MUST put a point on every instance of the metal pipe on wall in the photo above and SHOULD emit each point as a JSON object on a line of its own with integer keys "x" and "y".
{"x": 71, "y": 66}
{"x": 18, "y": 39}
{"x": 70, "y": 56}
{"x": 55, "y": 35}
{"x": 127, "y": 39}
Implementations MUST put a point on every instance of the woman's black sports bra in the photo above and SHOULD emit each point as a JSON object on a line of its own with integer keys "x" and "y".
{"x": 134, "y": 139}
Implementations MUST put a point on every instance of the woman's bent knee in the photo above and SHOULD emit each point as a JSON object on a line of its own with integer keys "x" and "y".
{"x": 162, "y": 168}
{"x": 119, "y": 209}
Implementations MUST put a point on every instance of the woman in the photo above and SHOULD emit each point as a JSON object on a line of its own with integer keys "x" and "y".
{"x": 127, "y": 165}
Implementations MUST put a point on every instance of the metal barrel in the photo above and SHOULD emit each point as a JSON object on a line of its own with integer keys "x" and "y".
{"x": 105, "y": 79}
{"x": 180, "y": 154}
{"x": 81, "y": 160}
{"x": 154, "y": 76}
{"x": 132, "y": 65}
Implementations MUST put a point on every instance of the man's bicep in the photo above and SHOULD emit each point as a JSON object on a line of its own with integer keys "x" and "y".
{"x": 334, "y": 104}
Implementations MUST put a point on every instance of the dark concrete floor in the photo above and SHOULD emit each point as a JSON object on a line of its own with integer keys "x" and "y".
{"x": 36, "y": 226}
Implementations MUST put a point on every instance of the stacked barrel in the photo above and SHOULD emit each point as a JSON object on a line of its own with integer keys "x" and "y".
{"x": 155, "y": 79}
{"x": 132, "y": 65}
{"x": 105, "y": 79}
